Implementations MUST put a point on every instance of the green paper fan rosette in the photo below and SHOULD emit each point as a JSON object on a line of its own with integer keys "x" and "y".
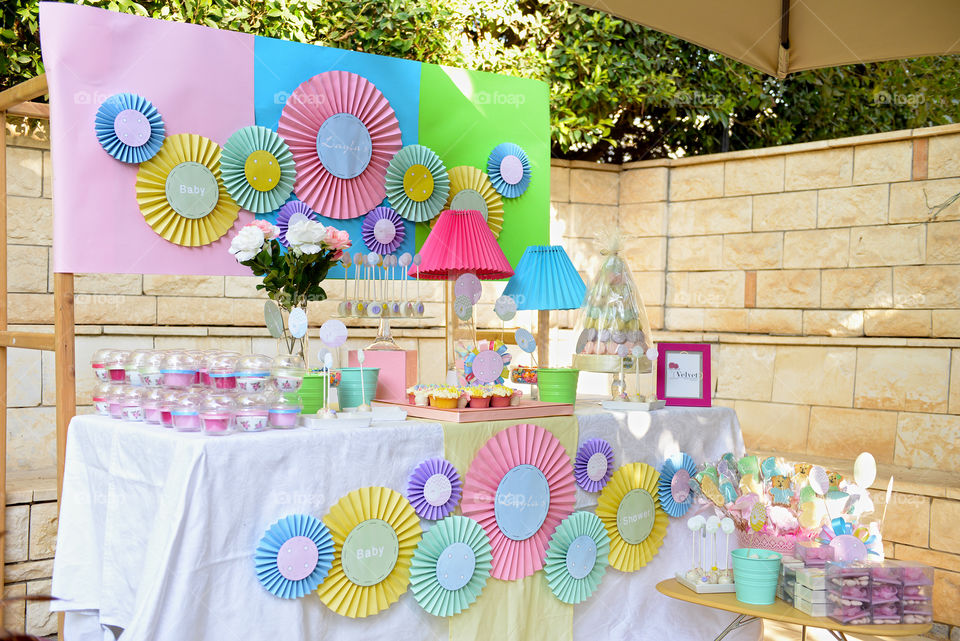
{"x": 577, "y": 557}
{"x": 249, "y": 173}
{"x": 409, "y": 192}
{"x": 450, "y": 566}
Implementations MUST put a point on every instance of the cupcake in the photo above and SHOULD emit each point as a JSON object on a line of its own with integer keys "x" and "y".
{"x": 500, "y": 396}
{"x": 444, "y": 397}
{"x": 479, "y": 396}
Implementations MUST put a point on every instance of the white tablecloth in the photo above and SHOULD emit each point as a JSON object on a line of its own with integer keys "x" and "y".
{"x": 157, "y": 528}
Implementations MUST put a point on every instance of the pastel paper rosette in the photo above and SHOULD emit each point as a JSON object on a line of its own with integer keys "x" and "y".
{"x": 181, "y": 194}
{"x": 382, "y": 231}
{"x": 370, "y": 517}
{"x": 489, "y": 362}
{"x": 630, "y": 510}
{"x": 674, "y": 485}
{"x": 258, "y": 169}
{"x": 290, "y": 213}
{"x": 294, "y": 556}
{"x": 434, "y": 488}
{"x": 519, "y": 487}
{"x": 450, "y": 566}
{"x": 342, "y": 133}
{"x": 471, "y": 190}
{"x": 509, "y": 170}
{"x": 129, "y": 127}
{"x": 593, "y": 465}
{"x": 417, "y": 183}
{"x": 577, "y": 557}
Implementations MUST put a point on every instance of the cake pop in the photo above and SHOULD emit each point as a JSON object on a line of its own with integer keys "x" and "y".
{"x": 696, "y": 524}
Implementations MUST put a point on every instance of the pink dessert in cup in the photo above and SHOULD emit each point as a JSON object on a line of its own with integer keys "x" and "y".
{"x": 101, "y": 402}
{"x": 186, "y": 413}
{"x": 288, "y": 371}
{"x": 116, "y": 365}
{"x": 179, "y": 370}
{"x": 152, "y": 398}
{"x": 222, "y": 372}
{"x": 216, "y": 414}
{"x": 283, "y": 413}
{"x": 99, "y": 364}
{"x": 115, "y": 399}
{"x": 252, "y": 413}
{"x": 253, "y": 373}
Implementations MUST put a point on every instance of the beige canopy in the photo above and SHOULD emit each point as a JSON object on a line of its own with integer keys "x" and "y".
{"x": 783, "y": 36}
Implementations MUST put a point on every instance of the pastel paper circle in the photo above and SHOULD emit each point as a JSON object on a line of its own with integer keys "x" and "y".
{"x": 462, "y": 308}
{"x": 297, "y": 322}
{"x": 434, "y": 488}
{"x": 525, "y": 341}
{"x": 258, "y": 169}
{"x": 384, "y": 231}
{"x": 630, "y": 518}
{"x": 487, "y": 366}
{"x": 437, "y": 490}
{"x": 675, "y": 486}
{"x": 505, "y": 308}
{"x": 848, "y": 548}
{"x": 593, "y": 464}
{"x": 597, "y": 466}
{"x": 132, "y": 128}
{"x": 680, "y": 486}
{"x": 468, "y": 285}
{"x": 262, "y": 170}
{"x": 297, "y": 558}
{"x": 511, "y": 169}
{"x": 455, "y": 566}
{"x": 581, "y": 556}
{"x": 865, "y": 470}
{"x": 418, "y": 183}
{"x": 192, "y": 190}
{"x": 521, "y": 502}
{"x": 469, "y": 200}
{"x": 344, "y": 145}
{"x": 818, "y": 480}
{"x": 635, "y": 516}
{"x": 370, "y": 552}
{"x": 333, "y": 333}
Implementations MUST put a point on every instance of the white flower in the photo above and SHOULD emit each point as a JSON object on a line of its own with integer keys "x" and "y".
{"x": 247, "y": 243}
{"x": 306, "y": 236}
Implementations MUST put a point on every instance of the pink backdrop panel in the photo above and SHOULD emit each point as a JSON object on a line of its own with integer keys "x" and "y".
{"x": 201, "y": 81}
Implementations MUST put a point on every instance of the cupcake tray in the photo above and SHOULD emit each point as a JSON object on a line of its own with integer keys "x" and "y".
{"x": 526, "y": 409}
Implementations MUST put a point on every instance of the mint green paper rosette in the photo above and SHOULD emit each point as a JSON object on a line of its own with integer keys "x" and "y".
{"x": 577, "y": 557}
{"x": 450, "y": 566}
{"x": 258, "y": 169}
{"x": 417, "y": 183}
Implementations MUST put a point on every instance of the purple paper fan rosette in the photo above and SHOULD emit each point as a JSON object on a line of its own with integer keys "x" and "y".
{"x": 587, "y": 450}
{"x": 383, "y": 231}
{"x": 422, "y": 483}
{"x": 288, "y": 211}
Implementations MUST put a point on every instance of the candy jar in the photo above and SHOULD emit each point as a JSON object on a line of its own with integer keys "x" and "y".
{"x": 169, "y": 398}
{"x": 251, "y": 413}
{"x": 288, "y": 371}
{"x": 134, "y": 362}
{"x": 186, "y": 412}
{"x": 115, "y": 399}
{"x": 284, "y": 412}
{"x": 179, "y": 370}
{"x": 150, "y": 369}
{"x": 116, "y": 364}
{"x": 152, "y": 398}
{"x": 132, "y": 404}
{"x": 100, "y": 401}
{"x": 222, "y": 371}
{"x": 99, "y": 364}
{"x": 252, "y": 373}
{"x": 216, "y": 413}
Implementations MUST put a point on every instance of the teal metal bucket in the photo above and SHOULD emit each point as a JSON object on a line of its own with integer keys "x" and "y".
{"x": 755, "y": 575}
{"x": 350, "y": 393}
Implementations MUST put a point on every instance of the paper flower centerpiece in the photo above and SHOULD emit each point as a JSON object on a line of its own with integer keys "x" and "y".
{"x": 630, "y": 511}
{"x": 417, "y": 183}
{"x": 294, "y": 556}
{"x": 594, "y": 464}
{"x": 290, "y": 213}
{"x": 129, "y": 127}
{"x": 471, "y": 190}
{"x": 343, "y": 134}
{"x": 674, "y": 486}
{"x": 383, "y": 231}
{"x": 487, "y": 363}
{"x": 577, "y": 557}
{"x": 180, "y": 192}
{"x": 519, "y": 487}
{"x": 434, "y": 488}
{"x": 450, "y": 566}
{"x": 258, "y": 169}
{"x": 375, "y": 531}
{"x": 509, "y": 170}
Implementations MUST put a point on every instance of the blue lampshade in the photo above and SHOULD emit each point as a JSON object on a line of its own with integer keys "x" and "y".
{"x": 546, "y": 279}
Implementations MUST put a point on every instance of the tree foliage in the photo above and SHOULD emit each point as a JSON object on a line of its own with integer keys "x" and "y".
{"x": 619, "y": 91}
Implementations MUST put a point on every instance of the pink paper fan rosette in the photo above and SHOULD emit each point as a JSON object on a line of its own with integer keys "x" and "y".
{"x": 292, "y": 210}
{"x": 306, "y": 113}
{"x": 520, "y": 446}
{"x": 585, "y": 468}
{"x": 383, "y": 231}
{"x": 434, "y": 489}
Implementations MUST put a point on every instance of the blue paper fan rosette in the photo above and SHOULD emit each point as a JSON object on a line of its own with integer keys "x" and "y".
{"x": 129, "y": 128}
{"x": 290, "y": 213}
{"x": 383, "y": 231}
{"x": 294, "y": 556}
{"x": 450, "y": 566}
{"x": 509, "y": 170}
{"x": 577, "y": 557}
{"x": 258, "y": 169}
{"x": 434, "y": 488}
{"x": 417, "y": 183}
{"x": 675, "y": 487}
{"x": 593, "y": 465}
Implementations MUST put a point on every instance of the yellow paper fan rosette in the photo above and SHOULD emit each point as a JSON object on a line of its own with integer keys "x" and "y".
{"x": 375, "y": 531}
{"x": 629, "y": 507}
{"x": 471, "y": 189}
{"x": 181, "y": 194}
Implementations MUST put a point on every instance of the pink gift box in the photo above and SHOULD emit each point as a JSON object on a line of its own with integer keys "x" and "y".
{"x": 398, "y": 371}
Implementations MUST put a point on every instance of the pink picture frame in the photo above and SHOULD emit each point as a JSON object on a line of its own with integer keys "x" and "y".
{"x": 683, "y": 374}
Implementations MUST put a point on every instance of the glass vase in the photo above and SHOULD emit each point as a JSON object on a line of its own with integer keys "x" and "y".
{"x": 290, "y": 344}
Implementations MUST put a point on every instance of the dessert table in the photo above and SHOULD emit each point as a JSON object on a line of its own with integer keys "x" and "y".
{"x": 157, "y": 530}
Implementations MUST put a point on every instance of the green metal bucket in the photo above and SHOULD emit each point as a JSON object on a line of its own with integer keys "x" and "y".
{"x": 558, "y": 384}
{"x": 755, "y": 575}
{"x": 350, "y": 392}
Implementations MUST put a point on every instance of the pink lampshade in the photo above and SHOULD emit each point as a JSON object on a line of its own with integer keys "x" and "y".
{"x": 461, "y": 242}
